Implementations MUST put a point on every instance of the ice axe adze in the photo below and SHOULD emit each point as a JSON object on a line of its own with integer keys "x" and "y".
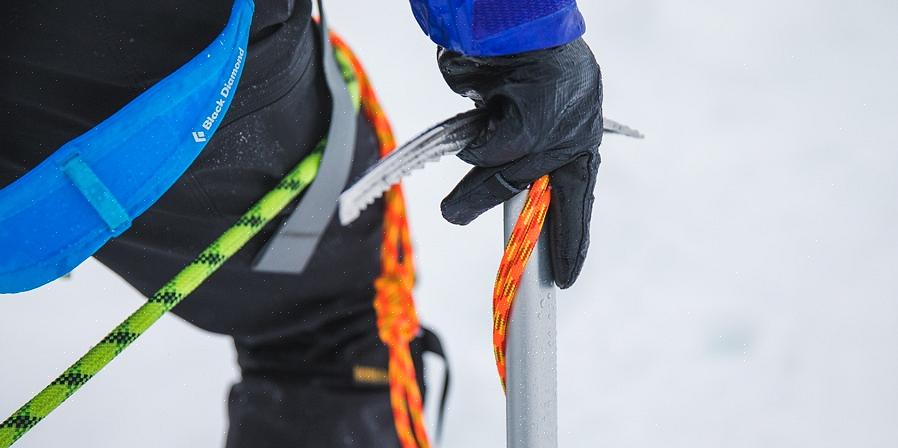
{"x": 445, "y": 138}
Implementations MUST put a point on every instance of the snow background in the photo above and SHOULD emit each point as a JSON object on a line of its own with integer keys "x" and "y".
{"x": 742, "y": 285}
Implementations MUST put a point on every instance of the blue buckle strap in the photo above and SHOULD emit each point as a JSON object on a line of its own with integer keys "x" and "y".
{"x": 97, "y": 194}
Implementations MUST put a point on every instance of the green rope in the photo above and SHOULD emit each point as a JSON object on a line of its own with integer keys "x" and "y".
{"x": 191, "y": 277}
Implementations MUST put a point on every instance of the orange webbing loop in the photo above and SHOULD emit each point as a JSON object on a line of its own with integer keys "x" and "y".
{"x": 517, "y": 252}
{"x": 397, "y": 321}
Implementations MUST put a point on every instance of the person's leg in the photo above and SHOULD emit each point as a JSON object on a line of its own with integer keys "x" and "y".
{"x": 321, "y": 387}
{"x": 313, "y": 367}
{"x": 327, "y": 389}
{"x": 297, "y": 335}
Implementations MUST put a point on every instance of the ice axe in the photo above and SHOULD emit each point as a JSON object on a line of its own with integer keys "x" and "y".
{"x": 530, "y": 351}
{"x": 445, "y": 138}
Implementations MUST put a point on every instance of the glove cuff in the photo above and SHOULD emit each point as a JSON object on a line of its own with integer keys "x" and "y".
{"x": 498, "y": 27}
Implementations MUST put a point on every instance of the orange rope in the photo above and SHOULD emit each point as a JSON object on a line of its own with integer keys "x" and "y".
{"x": 397, "y": 321}
{"x": 517, "y": 252}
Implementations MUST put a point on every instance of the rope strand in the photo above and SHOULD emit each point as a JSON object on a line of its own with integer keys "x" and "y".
{"x": 397, "y": 320}
{"x": 517, "y": 253}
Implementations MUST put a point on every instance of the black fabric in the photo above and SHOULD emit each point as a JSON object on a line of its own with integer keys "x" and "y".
{"x": 545, "y": 117}
{"x": 67, "y": 65}
{"x": 291, "y": 331}
{"x": 307, "y": 404}
{"x": 266, "y": 413}
{"x": 430, "y": 343}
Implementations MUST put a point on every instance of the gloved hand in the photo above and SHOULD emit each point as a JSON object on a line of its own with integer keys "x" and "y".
{"x": 545, "y": 117}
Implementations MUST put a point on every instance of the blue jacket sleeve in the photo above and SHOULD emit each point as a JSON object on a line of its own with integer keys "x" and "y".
{"x": 499, "y": 27}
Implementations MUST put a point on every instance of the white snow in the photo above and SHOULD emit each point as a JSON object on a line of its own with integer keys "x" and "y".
{"x": 741, "y": 290}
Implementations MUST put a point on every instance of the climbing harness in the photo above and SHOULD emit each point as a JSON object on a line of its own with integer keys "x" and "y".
{"x": 88, "y": 191}
{"x": 396, "y": 317}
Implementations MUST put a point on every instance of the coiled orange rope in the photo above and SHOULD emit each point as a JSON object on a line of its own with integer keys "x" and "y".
{"x": 397, "y": 320}
{"x": 517, "y": 252}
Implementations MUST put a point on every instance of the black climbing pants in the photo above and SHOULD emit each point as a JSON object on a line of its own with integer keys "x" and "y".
{"x": 302, "y": 340}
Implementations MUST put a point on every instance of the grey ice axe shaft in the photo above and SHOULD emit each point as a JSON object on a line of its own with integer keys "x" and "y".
{"x": 531, "y": 404}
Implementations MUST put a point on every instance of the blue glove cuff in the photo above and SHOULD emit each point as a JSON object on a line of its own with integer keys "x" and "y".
{"x": 499, "y": 27}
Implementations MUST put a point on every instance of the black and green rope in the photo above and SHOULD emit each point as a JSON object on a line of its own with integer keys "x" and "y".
{"x": 191, "y": 277}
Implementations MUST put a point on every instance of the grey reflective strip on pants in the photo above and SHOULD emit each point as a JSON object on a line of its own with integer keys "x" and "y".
{"x": 290, "y": 249}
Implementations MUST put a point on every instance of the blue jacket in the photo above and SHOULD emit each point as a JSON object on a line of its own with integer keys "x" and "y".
{"x": 499, "y": 27}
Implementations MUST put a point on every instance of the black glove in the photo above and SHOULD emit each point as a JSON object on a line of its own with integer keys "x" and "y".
{"x": 545, "y": 117}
